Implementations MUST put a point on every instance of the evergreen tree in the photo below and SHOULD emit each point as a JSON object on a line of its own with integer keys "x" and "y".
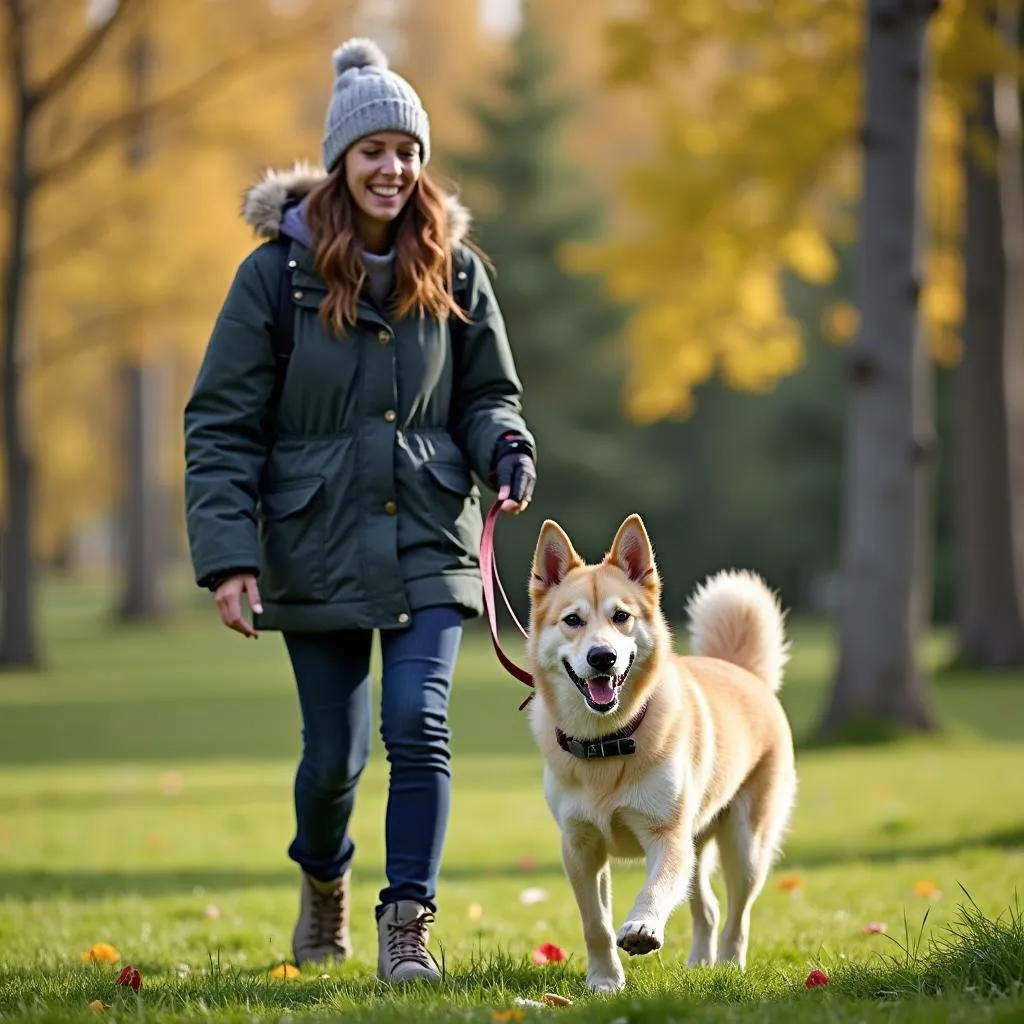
{"x": 529, "y": 201}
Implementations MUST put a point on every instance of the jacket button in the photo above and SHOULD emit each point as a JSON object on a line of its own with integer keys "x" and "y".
{"x": 461, "y": 275}
{"x": 298, "y": 295}
{"x": 383, "y": 337}
{"x": 403, "y": 618}
{"x": 292, "y": 264}
{"x": 391, "y": 415}
{"x": 390, "y": 507}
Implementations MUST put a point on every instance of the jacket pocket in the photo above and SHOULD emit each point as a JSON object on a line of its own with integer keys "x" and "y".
{"x": 293, "y": 541}
{"x": 454, "y": 505}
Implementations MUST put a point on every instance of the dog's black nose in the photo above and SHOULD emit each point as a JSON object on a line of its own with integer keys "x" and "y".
{"x": 601, "y": 658}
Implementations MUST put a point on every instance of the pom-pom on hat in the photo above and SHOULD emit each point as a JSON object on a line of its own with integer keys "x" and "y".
{"x": 369, "y": 97}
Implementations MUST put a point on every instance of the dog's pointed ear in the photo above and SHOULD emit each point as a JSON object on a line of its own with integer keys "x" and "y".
{"x": 631, "y": 551}
{"x": 552, "y": 559}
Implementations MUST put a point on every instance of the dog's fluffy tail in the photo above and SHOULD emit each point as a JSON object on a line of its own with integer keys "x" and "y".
{"x": 734, "y": 616}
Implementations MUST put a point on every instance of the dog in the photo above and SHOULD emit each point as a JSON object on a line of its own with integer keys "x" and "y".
{"x": 680, "y": 760}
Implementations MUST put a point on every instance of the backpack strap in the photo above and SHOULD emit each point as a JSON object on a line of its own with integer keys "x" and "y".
{"x": 282, "y": 334}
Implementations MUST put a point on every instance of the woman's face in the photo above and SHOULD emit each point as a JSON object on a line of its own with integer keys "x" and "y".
{"x": 381, "y": 171}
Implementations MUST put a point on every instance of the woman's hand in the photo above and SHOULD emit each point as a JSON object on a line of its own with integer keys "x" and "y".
{"x": 229, "y": 602}
{"x": 515, "y": 473}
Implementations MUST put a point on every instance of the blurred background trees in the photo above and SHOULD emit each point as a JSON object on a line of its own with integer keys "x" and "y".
{"x": 678, "y": 202}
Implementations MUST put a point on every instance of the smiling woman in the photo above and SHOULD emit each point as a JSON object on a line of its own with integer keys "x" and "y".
{"x": 337, "y": 470}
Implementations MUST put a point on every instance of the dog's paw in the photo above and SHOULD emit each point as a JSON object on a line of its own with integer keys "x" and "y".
{"x": 639, "y": 937}
{"x": 606, "y": 981}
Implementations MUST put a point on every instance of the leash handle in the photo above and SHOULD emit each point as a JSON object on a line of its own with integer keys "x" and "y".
{"x": 489, "y": 572}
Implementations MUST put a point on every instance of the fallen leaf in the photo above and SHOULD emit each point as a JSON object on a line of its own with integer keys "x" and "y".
{"x": 791, "y": 883}
{"x": 875, "y": 928}
{"x": 475, "y": 912}
{"x": 548, "y": 953}
{"x": 130, "y": 977}
{"x": 101, "y": 953}
{"x": 530, "y": 896}
{"x": 172, "y": 783}
{"x": 816, "y": 979}
{"x": 285, "y": 971}
{"x": 98, "y": 1006}
{"x": 212, "y": 911}
{"x": 507, "y": 1015}
{"x": 554, "y": 999}
{"x": 927, "y": 889}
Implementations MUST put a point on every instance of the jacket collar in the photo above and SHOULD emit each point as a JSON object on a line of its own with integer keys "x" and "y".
{"x": 264, "y": 203}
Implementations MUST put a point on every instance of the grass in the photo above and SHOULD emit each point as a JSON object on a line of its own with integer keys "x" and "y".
{"x": 145, "y": 801}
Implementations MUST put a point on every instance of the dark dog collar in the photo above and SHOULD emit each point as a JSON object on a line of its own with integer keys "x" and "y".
{"x": 618, "y": 744}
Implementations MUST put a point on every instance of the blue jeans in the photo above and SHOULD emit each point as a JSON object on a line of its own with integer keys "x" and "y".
{"x": 332, "y": 672}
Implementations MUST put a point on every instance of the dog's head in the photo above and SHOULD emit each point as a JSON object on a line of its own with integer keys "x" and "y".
{"x": 594, "y": 629}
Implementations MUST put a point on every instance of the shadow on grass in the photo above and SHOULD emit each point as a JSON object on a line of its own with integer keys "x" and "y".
{"x": 1005, "y": 839}
{"x": 81, "y": 884}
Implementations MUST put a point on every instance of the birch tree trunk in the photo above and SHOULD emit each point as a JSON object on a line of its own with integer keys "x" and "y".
{"x": 880, "y": 683}
{"x": 990, "y": 629}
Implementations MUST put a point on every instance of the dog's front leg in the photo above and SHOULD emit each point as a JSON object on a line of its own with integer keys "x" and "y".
{"x": 670, "y": 863}
{"x": 585, "y": 857}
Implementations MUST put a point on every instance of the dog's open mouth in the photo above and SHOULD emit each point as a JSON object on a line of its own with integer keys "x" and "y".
{"x": 600, "y": 692}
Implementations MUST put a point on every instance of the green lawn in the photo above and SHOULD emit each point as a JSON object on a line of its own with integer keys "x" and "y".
{"x": 145, "y": 796}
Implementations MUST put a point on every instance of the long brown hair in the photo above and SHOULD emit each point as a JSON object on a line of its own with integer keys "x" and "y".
{"x": 423, "y": 258}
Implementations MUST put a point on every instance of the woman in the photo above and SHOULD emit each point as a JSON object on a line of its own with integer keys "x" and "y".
{"x": 339, "y": 499}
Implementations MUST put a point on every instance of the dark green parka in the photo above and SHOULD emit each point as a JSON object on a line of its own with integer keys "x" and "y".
{"x": 361, "y": 509}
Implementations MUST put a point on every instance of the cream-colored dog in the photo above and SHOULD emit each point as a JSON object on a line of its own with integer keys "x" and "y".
{"x": 651, "y": 754}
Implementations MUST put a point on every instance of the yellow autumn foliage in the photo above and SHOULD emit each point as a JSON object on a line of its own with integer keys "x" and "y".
{"x": 756, "y": 169}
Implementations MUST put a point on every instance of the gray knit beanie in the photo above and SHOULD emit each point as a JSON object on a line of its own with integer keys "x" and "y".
{"x": 367, "y": 98}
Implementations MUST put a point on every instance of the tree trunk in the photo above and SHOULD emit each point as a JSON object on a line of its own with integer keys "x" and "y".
{"x": 880, "y": 683}
{"x": 990, "y": 630}
{"x": 18, "y": 645}
{"x": 142, "y": 553}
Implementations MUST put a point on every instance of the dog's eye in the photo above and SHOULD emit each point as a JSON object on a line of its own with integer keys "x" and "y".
{"x": 620, "y": 618}
{"x": 573, "y": 621}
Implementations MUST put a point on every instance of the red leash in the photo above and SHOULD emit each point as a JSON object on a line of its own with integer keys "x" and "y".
{"x": 489, "y": 571}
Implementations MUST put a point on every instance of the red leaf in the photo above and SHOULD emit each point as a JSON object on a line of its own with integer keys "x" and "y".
{"x": 130, "y": 977}
{"x": 816, "y": 979}
{"x": 548, "y": 953}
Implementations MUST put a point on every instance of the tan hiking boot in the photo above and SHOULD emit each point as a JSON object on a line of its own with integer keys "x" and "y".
{"x": 321, "y": 933}
{"x": 402, "y": 933}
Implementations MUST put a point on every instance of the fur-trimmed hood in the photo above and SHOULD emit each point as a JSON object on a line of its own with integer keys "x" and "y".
{"x": 264, "y": 203}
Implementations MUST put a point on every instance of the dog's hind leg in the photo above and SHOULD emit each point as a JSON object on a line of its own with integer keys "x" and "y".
{"x": 585, "y": 857}
{"x": 747, "y": 842}
{"x": 704, "y": 906}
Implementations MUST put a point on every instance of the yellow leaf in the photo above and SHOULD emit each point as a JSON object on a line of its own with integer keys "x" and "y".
{"x": 840, "y": 322}
{"x": 808, "y": 252}
{"x": 501, "y": 1016}
{"x": 286, "y": 972}
{"x": 98, "y": 1006}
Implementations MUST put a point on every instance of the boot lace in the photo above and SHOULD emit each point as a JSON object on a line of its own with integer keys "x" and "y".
{"x": 328, "y": 911}
{"x": 407, "y": 940}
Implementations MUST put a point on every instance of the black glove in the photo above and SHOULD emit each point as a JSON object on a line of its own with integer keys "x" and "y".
{"x": 514, "y": 467}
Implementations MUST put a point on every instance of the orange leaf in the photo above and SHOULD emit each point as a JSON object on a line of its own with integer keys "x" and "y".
{"x": 286, "y": 972}
{"x": 98, "y": 1006}
{"x": 101, "y": 953}
{"x": 791, "y": 883}
{"x": 553, "y": 999}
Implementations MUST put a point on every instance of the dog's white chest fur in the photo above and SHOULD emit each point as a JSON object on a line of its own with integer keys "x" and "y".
{"x": 625, "y": 823}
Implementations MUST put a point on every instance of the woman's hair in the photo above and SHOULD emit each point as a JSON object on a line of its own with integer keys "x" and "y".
{"x": 423, "y": 259}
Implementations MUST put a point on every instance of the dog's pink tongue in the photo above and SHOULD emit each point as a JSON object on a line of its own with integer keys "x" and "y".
{"x": 601, "y": 690}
